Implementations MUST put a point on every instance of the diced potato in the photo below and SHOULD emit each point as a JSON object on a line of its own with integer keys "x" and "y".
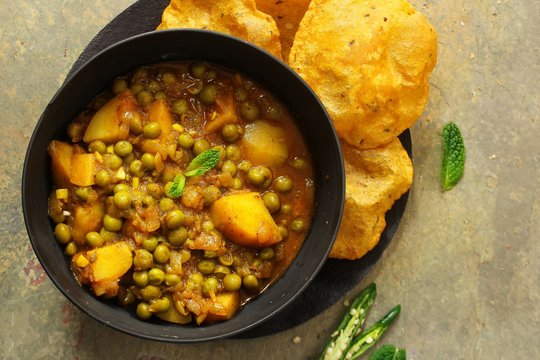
{"x": 82, "y": 170}
{"x": 264, "y": 143}
{"x": 244, "y": 219}
{"x": 111, "y": 261}
{"x": 225, "y": 114}
{"x": 61, "y": 154}
{"x": 172, "y": 315}
{"x": 224, "y": 307}
{"x": 109, "y": 124}
{"x": 159, "y": 112}
{"x": 86, "y": 218}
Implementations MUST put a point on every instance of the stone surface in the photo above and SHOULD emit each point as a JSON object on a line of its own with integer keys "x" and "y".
{"x": 464, "y": 264}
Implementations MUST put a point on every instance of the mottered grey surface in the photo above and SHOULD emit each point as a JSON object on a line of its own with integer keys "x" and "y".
{"x": 463, "y": 264}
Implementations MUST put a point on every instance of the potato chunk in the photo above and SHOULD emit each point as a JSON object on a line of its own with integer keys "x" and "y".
{"x": 82, "y": 170}
{"x": 225, "y": 113}
{"x": 159, "y": 112}
{"x": 108, "y": 124}
{"x": 244, "y": 219}
{"x": 86, "y": 218}
{"x": 264, "y": 143}
{"x": 60, "y": 153}
{"x": 223, "y": 308}
{"x": 111, "y": 261}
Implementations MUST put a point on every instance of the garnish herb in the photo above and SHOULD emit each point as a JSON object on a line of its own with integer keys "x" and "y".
{"x": 453, "y": 158}
{"x": 203, "y": 163}
{"x": 388, "y": 352}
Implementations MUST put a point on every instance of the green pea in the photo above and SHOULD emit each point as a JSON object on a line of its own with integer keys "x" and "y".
{"x": 200, "y": 145}
{"x": 143, "y": 311}
{"x": 168, "y": 78}
{"x": 140, "y": 278}
{"x": 232, "y": 132}
{"x": 136, "y": 168}
{"x": 97, "y": 145}
{"x": 249, "y": 110}
{"x": 125, "y": 297}
{"x": 155, "y": 190}
{"x": 111, "y": 223}
{"x": 185, "y": 140}
{"x": 232, "y": 282}
{"x": 123, "y": 148}
{"x": 260, "y": 176}
{"x": 206, "y": 266}
{"x": 180, "y": 107}
{"x": 150, "y": 292}
{"x": 241, "y": 94}
{"x": 122, "y": 200}
{"x": 210, "y": 285}
{"x": 143, "y": 260}
{"x": 135, "y": 123}
{"x": 267, "y": 253}
{"x": 119, "y": 85}
{"x": 226, "y": 259}
{"x": 102, "y": 178}
{"x": 208, "y": 94}
{"x": 160, "y": 305}
{"x": 233, "y": 153}
{"x": 211, "y": 193}
{"x": 185, "y": 255}
{"x": 244, "y": 166}
{"x": 195, "y": 87}
{"x": 151, "y": 130}
{"x": 75, "y": 131}
{"x": 221, "y": 271}
{"x": 153, "y": 86}
{"x": 147, "y": 160}
{"x": 120, "y": 187}
{"x": 93, "y": 239}
{"x": 145, "y": 98}
{"x": 106, "y": 235}
{"x": 256, "y": 263}
{"x": 71, "y": 248}
{"x": 250, "y": 282}
{"x": 62, "y": 233}
{"x": 161, "y": 254}
{"x": 140, "y": 74}
{"x": 283, "y": 183}
{"x": 172, "y": 279}
{"x": 196, "y": 278}
{"x": 283, "y": 230}
{"x": 208, "y": 226}
{"x": 129, "y": 158}
{"x": 178, "y": 236}
{"x": 271, "y": 201}
{"x": 174, "y": 219}
{"x": 156, "y": 276}
{"x": 298, "y": 163}
{"x": 160, "y": 95}
{"x": 210, "y": 75}
{"x": 150, "y": 243}
{"x": 137, "y": 88}
{"x": 272, "y": 111}
{"x": 113, "y": 161}
{"x": 166, "y": 204}
{"x": 210, "y": 254}
{"x": 237, "y": 184}
{"x": 197, "y": 69}
{"x": 297, "y": 225}
{"x": 83, "y": 193}
{"x": 286, "y": 208}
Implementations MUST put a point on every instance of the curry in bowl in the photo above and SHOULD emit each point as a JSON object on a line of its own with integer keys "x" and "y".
{"x": 182, "y": 191}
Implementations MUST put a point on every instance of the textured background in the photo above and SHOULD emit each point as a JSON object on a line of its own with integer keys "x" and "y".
{"x": 464, "y": 264}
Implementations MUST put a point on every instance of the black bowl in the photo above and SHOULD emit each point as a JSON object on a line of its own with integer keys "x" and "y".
{"x": 156, "y": 47}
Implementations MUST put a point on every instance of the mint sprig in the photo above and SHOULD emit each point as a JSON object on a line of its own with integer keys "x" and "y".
{"x": 177, "y": 188}
{"x": 203, "y": 163}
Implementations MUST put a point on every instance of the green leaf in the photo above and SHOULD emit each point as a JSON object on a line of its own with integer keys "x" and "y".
{"x": 453, "y": 158}
{"x": 177, "y": 187}
{"x": 388, "y": 352}
{"x": 203, "y": 163}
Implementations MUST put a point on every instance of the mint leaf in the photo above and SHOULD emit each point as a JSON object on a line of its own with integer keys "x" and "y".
{"x": 177, "y": 188}
{"x": 453, "y": 158}
{"x": 388, "y": 352}
{"x": 203, "y": 162}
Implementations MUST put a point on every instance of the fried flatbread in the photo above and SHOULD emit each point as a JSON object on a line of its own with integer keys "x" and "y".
{"x": 238, "y": 18}
{"x": 375, "y": 179}
{"x": 369, "y": 61}
{"x": 287, "y": 14}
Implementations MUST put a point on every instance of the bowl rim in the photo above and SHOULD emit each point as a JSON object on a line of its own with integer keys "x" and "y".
{"x": 120, "y": 326}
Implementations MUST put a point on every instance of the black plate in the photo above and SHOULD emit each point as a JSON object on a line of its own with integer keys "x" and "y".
{"x": 337, "y": 277}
